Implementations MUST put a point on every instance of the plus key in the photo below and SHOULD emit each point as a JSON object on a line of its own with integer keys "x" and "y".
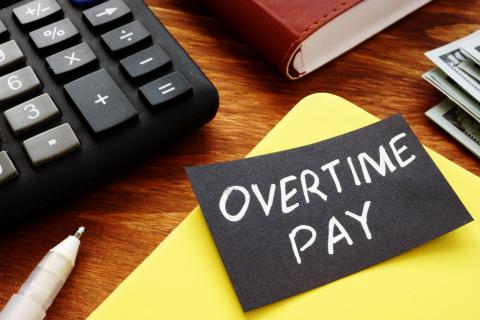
{"x": 100, "y": 101}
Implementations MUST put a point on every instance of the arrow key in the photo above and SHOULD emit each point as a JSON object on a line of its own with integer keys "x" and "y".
{"x": 107, "y": 13}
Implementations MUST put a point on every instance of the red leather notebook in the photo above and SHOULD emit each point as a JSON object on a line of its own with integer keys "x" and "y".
{"x": 299, "y": 36}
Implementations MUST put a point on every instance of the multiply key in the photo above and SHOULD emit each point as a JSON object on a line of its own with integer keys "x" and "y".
{"x": 71, "y": 59}
{"x": 100, "y": 101}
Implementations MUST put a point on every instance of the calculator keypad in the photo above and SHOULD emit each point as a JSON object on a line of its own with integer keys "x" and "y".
{"x": 107, "y": 13}
{"x": 71, "y": 59}
{"x": 36, "y": 11}
{"x": 51, "y": 144}
{"x": 7, "y": 168}
{"x": 125, "y": 36}
{"x": 10, "y": 55}
{"x": 18, "y": 84}
{"x": 54, "y": 34}
{"x": 31, "y": 114}
{"x": 91, "y": 89}
{"x": 100, "y": 100}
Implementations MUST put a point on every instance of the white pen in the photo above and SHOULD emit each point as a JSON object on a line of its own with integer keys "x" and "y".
{"x": 44, "y": 283}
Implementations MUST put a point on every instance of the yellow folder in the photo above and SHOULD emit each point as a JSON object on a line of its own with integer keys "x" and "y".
{"x": 184, "y": 277}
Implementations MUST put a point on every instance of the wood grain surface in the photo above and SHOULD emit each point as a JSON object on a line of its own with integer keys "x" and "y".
{"x": 128, "y": 217}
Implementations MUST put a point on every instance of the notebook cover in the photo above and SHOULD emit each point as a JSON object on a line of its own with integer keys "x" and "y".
{"x": 184, "y": 277}
{"x": 277, "y": 27}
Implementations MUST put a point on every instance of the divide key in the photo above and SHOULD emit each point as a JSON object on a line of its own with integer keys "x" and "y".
{"x": 125, "y": 36}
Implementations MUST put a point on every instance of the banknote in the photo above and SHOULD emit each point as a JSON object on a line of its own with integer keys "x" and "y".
{"x": 471, "y": 68}
{"x": 449, "y": 57}
{"x": 459, "y": 124}
{"x": 453, "y": 91}
{"x": 471, "y": 48}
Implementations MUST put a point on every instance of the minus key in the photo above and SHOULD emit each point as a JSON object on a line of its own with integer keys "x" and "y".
{"x": 145, "y": 62}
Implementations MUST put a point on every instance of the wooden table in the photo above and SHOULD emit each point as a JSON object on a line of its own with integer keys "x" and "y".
{"x": 128, "y": 217}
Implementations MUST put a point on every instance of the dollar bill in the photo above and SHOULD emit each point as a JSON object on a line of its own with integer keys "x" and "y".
{"x": 471, "y": 48}
{"x": 459, "y": 124}
{"x": 471, "y": 68}
{"x": 453, "y": 91}
{"x": 448, "y": 58}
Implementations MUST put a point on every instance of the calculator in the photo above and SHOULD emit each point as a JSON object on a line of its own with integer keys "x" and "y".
{"x": 86, "y": 89}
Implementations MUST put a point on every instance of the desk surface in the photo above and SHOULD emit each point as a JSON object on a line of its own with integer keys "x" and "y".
{"x": 128, "y": 217}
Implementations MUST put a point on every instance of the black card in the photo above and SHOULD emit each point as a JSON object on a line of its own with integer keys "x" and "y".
{"x": 291, "y": 221}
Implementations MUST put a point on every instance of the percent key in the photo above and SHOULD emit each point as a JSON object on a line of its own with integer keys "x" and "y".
{"x": 54, "y": 35}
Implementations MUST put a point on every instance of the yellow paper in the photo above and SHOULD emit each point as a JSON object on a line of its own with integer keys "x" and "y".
{"x": 184, "y": 277}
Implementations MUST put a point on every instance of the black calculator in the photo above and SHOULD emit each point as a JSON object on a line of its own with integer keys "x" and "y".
{"x": 87, "y": 88}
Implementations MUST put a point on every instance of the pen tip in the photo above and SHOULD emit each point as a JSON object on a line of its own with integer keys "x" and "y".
{"x": 79, "y": 232}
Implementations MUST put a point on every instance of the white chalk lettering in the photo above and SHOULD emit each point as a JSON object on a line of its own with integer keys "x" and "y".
{"x": 313, "y": 188}
{"x": 381, "y": 167}
{"x": 223, "y": 203}
{"x": 354, "y": 172}
{"x": 334, "y": 239}
{"x": 266, "y": 205}
{"x": 286, "y": 196}
{"x": 397, "y": 152}
{"x": 331, "y": 169}
{"x": 362, "y": 219}
{"x": 306, "y": 245}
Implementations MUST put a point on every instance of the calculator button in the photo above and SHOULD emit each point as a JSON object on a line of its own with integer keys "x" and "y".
{"x": 7, "y": 168}
{"x": 10, "y": 55}
{"x": 100, "y": 100}
{"x": 3, "y": 30}
{"x": 18, "y": 84}
{"x": 51, "y": 144}
{"x": 165, "y": 89}
{"x": 71, "y": 59}
{"x": 35, "y": 11}
{"x": 145, "y": 62}
{"x": 106, "y": 13}
{"x": 125, "y": 36}
{"x": 54, "y": 34}
{"x": 31, "y": 114}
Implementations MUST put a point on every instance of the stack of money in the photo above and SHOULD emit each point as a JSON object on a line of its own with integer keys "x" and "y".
{"x": 457, "y": 76}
